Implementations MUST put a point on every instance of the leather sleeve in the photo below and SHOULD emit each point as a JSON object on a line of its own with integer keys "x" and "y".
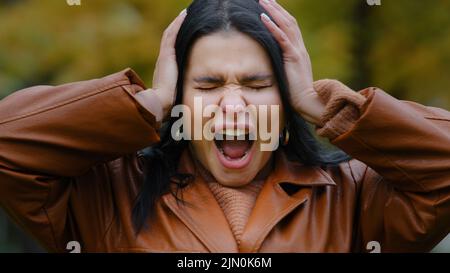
{"x": 404, "y": 192}
{"x": 50, "y": 134}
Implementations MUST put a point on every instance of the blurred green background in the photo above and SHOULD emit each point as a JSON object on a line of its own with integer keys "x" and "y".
{"x": 401, "y": 46}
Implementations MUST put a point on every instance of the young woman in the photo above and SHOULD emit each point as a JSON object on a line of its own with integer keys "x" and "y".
{"x": 98, "y": 161}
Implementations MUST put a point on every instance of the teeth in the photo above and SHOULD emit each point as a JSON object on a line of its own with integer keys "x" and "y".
{"x": 229, "y": 134}
{"x": 234, "y": 132}
{"x": 229, "y": 158}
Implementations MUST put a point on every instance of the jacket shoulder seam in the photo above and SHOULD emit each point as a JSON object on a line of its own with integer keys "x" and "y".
{"x": 71, "y": 100}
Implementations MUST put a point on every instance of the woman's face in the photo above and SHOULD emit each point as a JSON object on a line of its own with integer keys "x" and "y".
{"x": 232, "y": 71}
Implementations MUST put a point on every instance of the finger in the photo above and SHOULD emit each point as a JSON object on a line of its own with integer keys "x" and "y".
{"x": 170, "y": 34}
{"x": 283, "y": 19}
{"x": 281, "y": 9}
{"x": 279, "y": 35}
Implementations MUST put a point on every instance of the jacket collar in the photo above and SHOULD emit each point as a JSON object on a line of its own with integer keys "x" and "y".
{"x": 274, "y": 202}
{"x": 286, "y": 171}
{"x": 203, "y": 216}
{"x": 200, "y": 211}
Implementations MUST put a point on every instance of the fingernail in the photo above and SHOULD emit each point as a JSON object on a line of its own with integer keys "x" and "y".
{"x": 266, "y": 2}
{"x": 265, "y": 17}
{"x": 183, "y": 12}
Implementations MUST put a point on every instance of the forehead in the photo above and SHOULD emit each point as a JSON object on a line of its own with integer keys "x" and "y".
{"x": 227, "y": 53}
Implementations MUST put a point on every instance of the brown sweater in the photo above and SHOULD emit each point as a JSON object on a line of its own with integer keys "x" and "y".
{"x": 342, "y": 110}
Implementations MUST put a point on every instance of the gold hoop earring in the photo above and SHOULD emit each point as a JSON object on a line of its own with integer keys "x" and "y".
{"x": 178, "y": 136}
{"x": 286, "y": 136}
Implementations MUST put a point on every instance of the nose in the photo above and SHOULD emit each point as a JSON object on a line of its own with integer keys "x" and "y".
{"x": 232, "y": 101}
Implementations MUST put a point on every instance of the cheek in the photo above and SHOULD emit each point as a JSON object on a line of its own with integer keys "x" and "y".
{"x": 207, "y": 98}
{"x": 269, "y": 98}
{"x": 196, "y": 102}
{"x": 266, "y": 97}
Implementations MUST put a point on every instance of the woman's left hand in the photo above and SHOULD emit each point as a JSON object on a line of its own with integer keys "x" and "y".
{"x": 285, "y": 29}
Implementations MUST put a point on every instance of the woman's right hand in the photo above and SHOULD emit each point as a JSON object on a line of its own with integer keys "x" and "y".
{"x": 166, "y": 71}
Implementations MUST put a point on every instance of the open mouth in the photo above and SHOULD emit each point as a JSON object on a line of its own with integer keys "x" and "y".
{"x": 234, "y": 148}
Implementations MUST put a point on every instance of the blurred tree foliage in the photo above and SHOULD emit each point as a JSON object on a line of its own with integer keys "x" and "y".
{"x": 402, "y": 46}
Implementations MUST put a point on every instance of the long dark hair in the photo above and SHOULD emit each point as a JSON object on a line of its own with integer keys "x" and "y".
{"x": 206, "y": 17}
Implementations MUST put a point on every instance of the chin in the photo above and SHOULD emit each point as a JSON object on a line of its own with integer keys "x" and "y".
{"x": 236, "y": 179}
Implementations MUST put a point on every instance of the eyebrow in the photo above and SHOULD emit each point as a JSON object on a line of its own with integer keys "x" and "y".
{"x": 209, "y": 79}
{"x": 255, "y": 78}
{"x": 244, "y": 79}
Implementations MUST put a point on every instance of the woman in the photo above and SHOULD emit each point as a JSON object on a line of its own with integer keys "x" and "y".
{"x": 73, "y": 165}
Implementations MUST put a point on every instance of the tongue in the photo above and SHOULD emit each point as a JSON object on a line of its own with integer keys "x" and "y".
{"x": 235, "y": 148}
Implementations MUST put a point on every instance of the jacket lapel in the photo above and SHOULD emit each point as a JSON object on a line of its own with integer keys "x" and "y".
{"x": 200, "y": 211}
{"x": 274, "y": 203}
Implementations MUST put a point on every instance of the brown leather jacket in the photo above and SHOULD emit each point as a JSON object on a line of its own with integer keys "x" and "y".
{"x": 69, "y": 170}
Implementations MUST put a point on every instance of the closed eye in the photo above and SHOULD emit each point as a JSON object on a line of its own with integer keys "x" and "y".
{"x": 209, "y": 88}
{"x": 259, "y": 87}
{"x": 208, "y": 83}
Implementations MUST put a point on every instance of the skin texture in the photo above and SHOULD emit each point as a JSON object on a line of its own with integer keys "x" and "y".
{"x": 219, "y": 71}
{"x": 208, "y": 59}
